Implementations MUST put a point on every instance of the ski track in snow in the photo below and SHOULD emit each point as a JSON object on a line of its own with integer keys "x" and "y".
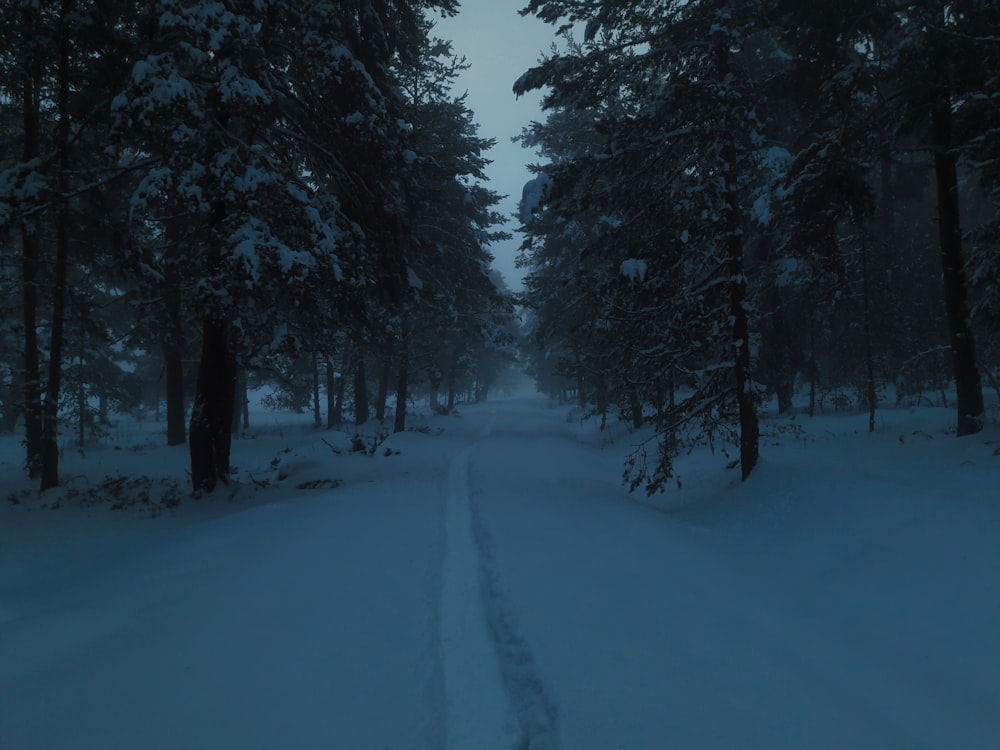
{"x": 478, "y": 713}
{"x": 536, "y": 713}
{"x": 495, "y": 699}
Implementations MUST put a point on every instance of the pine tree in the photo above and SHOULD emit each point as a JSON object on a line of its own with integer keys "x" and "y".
{"x": 670, "y": 87}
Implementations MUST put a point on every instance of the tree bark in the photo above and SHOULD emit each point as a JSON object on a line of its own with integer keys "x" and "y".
{"x": 338, "y": 403}
{"x": 635, "y": 404}
{"x": 963, "y": 348}
{"x": 212, "y": 416}
{"x": 50, "y": 409}
{"x": 210, "y": 432}
{"x": 733, "y": 245}
{"x": 30, "y": 255}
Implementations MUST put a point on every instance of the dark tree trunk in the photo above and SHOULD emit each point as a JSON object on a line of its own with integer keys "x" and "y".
{"x": 210, "y": 433}
{"x": 50, "y": 409}
{"x": 212, "y": 416}
{"x": 749, "y": 427}
{"x": 360, "y": 390}
{"x": 402, "y": 383}
{"x": 635, "y": 404}
{"x": 31, "y": 254}
{"x": 733, "y": 238}
{"x": 434, "y": 380}
{"x": 338, "y": 404}
{"x": 963, "y": 348}
{"x": 785, "y": 392}
{"x": 383, "y": 387}
{"x": 601, "y": 396}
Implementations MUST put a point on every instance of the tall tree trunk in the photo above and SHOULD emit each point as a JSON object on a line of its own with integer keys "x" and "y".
{"x": 210, "y": 432}
{"x": 338, "y": 404}
{"x": 212, "y": 416}
{"x": 635, "y": 404}
{"x": 749, "y": 426}
{"x": 402, "y": 383}
{"x": 31, "y": 254}
{"x": 50, "y": 409}
{"x": 733, "y": 239}
{"x": 963, "y": 348}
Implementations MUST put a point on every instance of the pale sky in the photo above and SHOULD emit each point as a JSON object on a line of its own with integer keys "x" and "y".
{"x": 500, "y": 45}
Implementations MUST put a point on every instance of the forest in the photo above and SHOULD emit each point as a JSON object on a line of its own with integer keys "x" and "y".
{"x": 200, "y": 197}
{"x": 733, "y": 202}
{"x": 743, "y": 201}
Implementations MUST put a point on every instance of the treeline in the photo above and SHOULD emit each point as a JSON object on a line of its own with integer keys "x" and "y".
{"x": 207, "y": 194}
{"x": 742, "y": 199}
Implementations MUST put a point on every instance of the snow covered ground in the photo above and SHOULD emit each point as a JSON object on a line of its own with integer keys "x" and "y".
{"x": 490, "y": 584}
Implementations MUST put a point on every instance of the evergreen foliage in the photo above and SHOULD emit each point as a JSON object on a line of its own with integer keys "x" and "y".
{"x": 735, "y": 196}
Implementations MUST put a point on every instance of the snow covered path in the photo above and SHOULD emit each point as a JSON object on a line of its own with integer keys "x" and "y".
{"x": 495, "y": 588}
{"x": 309, "y": 623}
{"x": 804, "y": 611}
{"x": 479, "y": 713}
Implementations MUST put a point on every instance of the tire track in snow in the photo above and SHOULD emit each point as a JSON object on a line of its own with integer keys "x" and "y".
{"x": 478, "y": 712}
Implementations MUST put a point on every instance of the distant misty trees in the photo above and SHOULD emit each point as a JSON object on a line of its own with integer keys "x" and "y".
{"x": 251, "y": 185}
{"x": 736, "y": 197}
